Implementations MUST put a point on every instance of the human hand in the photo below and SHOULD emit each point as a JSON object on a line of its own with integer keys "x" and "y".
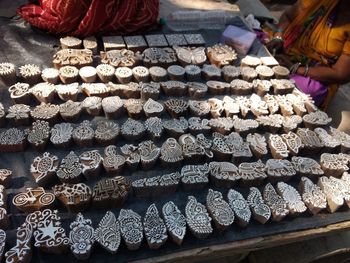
{"x": 275, "y": 46}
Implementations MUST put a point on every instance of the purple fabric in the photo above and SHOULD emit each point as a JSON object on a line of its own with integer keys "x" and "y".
{"x": 314, "y": 88}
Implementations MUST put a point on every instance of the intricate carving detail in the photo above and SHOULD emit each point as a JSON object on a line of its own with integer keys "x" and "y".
{"x": 240, "y": 207}
{"x": 170, "y": 152}
{"x": 155, "y": 230}
{"x": 245, "y": 126}
{"x": 252, "y": 173}
{"x": 195, "y": 176}
{"x": 3, "y": 241}
{"x": 43, "y": 92}
{"x": 5, "y": 176}
{"x": 176, "y": 127}
{"x": 154, "y": 127}
{"x": 257, "y": 144}
{"x": 83, "y": 135}
{"x": 68, "y": 91}
{"x": 342, "y": 137}
{"x": 61, "y": 134}
{"x": 92, "y": 105}
{"x": 260, "y": 210}
{"x": 132, "y": 156}
{"x": 307, "y": 167}
{"x": 30, "y": 73}
{"x": 18, "y": 114}
{"x": 333, "y": 194}
{"x": 70, "y": 111}
{"x": 49, "y": 235}
{"x": 278, "y": 148}
{"x": 276, "y": 203}
{"x": 106, "y": 132}
{"x": 39, "y": 134}
{"x": 198, "y": 219}
{"x": 81, "y": 237}
{"x": 187, "y": 55}
{"x": 48, "y": 112}
{"x": 131, "y": 228}
{"x": 279, "y": 170}
{"x": 33, "y": 199}
{"x": 334, "y": 164}
{"x": 20, "y": 93}
{"x": 76, "y": 197}
{"x": 12, "y": 140}
{"x": 312, "y": 195}
{"x": 112, "y": 107}
{"x": 107, "y": 234}
{"x": 194, "y": 39}
{"x": 174, "y": 88}
{"x": 90, "y": 162}
{"x": 111, "y": 192}
{"x": 221, "y": 55}
{"x": 176, "y": 108}
{"x": 197, "y": 125}
{"x": 153, "y": 108}
{"x": 133, "y": 130}
{"x": 219, "y": 210}
{"x": 112, "y": 161}
{"x": 211, "y": 72}
{"x": 149, "y": 153}
{"x": 159, "y": 56}
{"x": 223, "y": 174}
{"x": 43, "y": 168}
{"x": 95, "y": 89}
{"x": 73, "y": 57}
{"x": 293, "y": 199}
{"x": 315, "y": 119}
{"x": 328, "y": 140}
{"x": 175, "y": 222}
{"x": 70, "y": 169}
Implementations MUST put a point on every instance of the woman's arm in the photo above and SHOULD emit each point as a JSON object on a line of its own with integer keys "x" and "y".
{"x": 339, "y": 73}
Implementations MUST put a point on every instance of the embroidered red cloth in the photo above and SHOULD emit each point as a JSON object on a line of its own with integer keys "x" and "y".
{"x": 90, "y": 17}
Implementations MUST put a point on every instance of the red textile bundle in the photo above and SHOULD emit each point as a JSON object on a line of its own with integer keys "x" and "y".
{"x": 90, "y": 17}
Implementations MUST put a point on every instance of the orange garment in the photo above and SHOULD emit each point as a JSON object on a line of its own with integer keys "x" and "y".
{"x": 310, "y": 37}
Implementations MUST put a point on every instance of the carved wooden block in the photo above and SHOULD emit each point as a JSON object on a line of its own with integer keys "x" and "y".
{"x": 231, "y": 107}
{"x": 240, "y": 207}
{"x": 92, "y": 105}
{"x": 176, "y": 39}
{"x": 123, "y": 74}
{"x": 158, "y": 74}
{"x": 252, "y": 174}
{"x": 223, "y": 174}
{"x": 75, "y": 197}
{"x": 135, "y": 43}
{"x": 206, "y": 144}
{"x": 174, "y": 88}
{"x": 261, "y": 87}
{"x": 22, "y": 251}
{"x": 334, "y": 164}
{"x": 330, "y": 143}
{"x": 192, "y": 151}
{"x": 20, "y": 93}
{"x": 261, "y": 212}
{"x": 91, "y": 162}
{"x": 3, "y": 197}
{"x": 134, "y": 107}
{"x": 7, "y": 73}
{"x": 293, "y": 199}
{"x": 244, "y": 127}
{"x": 221, "y": 55}
{"x": 107, "y": 234}
{"x": 61, "y": 135}
{"x": 270, "y": 123}
{"x": 5, "y": 177}
{"x": 132, "y": 156}
{"x": 293, "y": 142}
{"x": 222, "y": 125}
{"x": 72, "y": 57}
{"x": 153, "y": 108}
{"x": 194, "y": 39}
{"x": 39, "y": 134}
{"x": 120, "y": 58}
{"x": 291, "y": 123}
{"x": 140, "y": 73}
{"x": 49, "y": 235}
{"x": 88, "y": 74}
{"x": 133, "y": 130}
{"x": 220, "y": 148}
{"x": 316, "y": 119}
{"x": 342, "y": 137}
{"x": 157, "y": 56}
{"x": 312, "y": 195}
{"x": 193, "y": 73}
{"x": 113, "y": 42}
{"x": 68, "y": 91}
{"x": 154, "y": 127}
{"x": 43, "y": 168}
{"x": 149, "y": 153}
{"x": 70, "y": 42}
{"x": 333, "y": 194}
{"x": 250, "y": 61}
{"x": 241, "y": 87}
{"x": 198, "y": 219}
{"x": 279, "y": 170}
{"x": 257, "y": 144}
{"x": 95, "y": 89}
{"x": 3, "y": 241}
{"x": 211, "y": 72}
{"x": 219, "y": 210}
{"x": 308, "y": 167}
{"x": 278, "y": 147}
{"x": 107, "y": 132}
{"x": 276, "y": 203}
{"x": 105, "y": 72}
{"x": 33, "y": 199}
{"x": 70, "y": 111}
{"x": 4, "y": 218}
{"x": 175, "y": 222}
{"x": 70, "y": 169}
{"x": 68, "y": 74}
{"x": 297, "y": 104}
{"x": 48, "y": 112}
{"x": 12, "y": 140}
{"x": 343, "y": 187}
{"x": 111, "y": 192}
{"x": 18, "y": 114}
{"x": 131, "y": 228}
{"x": 309, "y": 138}
{"x": 2, "y": 115}
{"x": 81, "y": 237}
{"x": 176, "y": 127}
{"x": 90, "y": 43}
{"x": 112, "y": 161}
{"x": 194, "y": 176}
{"x": 157, "y": 40}
{"x": 197, "y": 125}
{"x": 154, "y": 227}
{"x": 150, "y": 91}
{"x": 30, "y": 73}
{"x": 83, "y": 135}
{"x": 248, "y": 75}
{"x": 188, "y": 55}
{"x": 240, "y": 149}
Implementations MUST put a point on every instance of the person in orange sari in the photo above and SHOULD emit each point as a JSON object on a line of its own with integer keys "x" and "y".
{"x": 313, "y": 39}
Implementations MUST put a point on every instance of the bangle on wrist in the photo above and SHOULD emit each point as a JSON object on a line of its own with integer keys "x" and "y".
{"x": 280, "y": 38}
{"x": 294, "y": 68}
{"x": 279, "y": 30}
{"x": 306, "y": 72}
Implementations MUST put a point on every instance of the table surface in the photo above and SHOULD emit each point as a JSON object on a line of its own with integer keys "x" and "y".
{"x": 21, "y": 44}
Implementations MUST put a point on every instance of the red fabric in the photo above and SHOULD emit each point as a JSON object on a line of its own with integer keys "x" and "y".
{"x": 90, "y": 17}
